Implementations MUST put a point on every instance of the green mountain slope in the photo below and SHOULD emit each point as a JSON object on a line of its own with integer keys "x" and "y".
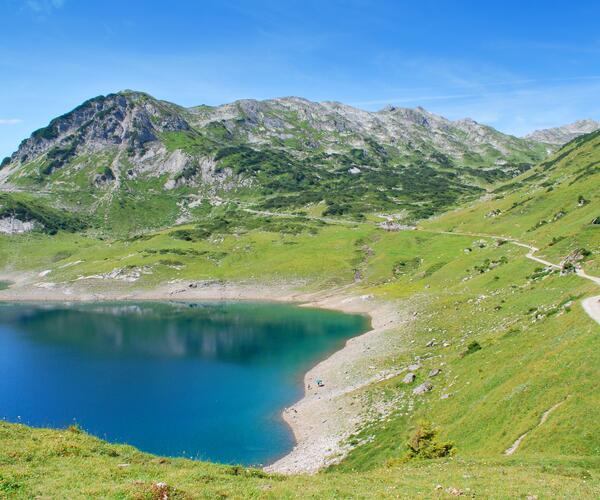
{"x": 555, "y": 206}
{"x": 133, "y": 162}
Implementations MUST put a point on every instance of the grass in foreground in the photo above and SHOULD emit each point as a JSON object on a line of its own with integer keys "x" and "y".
{"x": 71, "y": 464}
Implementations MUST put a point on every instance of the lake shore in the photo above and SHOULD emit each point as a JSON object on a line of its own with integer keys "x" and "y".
{"x": 326, "y": 416}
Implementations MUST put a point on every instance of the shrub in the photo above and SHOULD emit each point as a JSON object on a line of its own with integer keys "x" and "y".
{"x": 406, "y": 266}
{"x": 424, "y": 444}
{"x": 581, "y": 201}
{"x": 473, "y": 346}
{"x": 433, "y": 269}
{"x": 170, "y": 262}
{"x": 63, "y": 254}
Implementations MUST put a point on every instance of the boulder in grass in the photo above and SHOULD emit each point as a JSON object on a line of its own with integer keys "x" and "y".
{"x": 409, "y": 378}
{"x": 423, "y": 388}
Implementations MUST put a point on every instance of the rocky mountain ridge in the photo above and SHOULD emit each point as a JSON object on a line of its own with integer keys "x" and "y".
{"x": 139, "y": 161}
{"x": 135, "y": 119}
{"x": 561, "y": 135}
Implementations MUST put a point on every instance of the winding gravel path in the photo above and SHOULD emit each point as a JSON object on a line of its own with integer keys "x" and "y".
{"x": 591, "y": 305}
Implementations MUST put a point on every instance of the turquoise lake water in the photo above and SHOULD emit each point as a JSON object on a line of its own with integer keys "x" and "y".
{"x": 201, "y": 380}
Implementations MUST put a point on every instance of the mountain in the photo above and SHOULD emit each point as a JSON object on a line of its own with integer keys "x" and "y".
{"x": 558, "y": 136}
{"x": 129, "y": 149}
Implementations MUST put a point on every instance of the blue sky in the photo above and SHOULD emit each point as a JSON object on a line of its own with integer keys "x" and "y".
{"x": 514, "y": 65}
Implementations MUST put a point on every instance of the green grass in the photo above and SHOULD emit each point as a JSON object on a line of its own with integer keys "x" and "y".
{"x": 71, "y": 464}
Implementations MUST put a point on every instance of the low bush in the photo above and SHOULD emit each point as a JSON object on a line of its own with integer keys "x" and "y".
{"x": 425, "y": 444}
{"x": 473, "y": 346}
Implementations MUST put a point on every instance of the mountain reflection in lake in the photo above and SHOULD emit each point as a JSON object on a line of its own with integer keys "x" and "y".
{"x": 206, "y": 380}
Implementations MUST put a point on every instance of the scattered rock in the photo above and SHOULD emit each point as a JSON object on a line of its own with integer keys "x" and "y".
{"x": 12, "y": 225}
{"x": 123, "y": 466}
{"x": 573, "y": 259}
{"x": 445, "y": 396}
{"x": 455, "y": 492}
{"x": 435, "y": 372}
{"x": 409, "y": 378}
{"x": 414, "y": 367}
{"x": 394, "y": 226}
{"x": 160, "y": 491}
{"x": 105, "y": 177}
{"x": 431, "y": 343}
{"x": 423, "y": 388}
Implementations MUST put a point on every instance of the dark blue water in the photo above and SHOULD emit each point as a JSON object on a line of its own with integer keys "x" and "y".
{"x": 206, "y": 381}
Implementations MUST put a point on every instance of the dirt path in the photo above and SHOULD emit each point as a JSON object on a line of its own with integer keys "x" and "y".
{"x": 517, "y": 443}
{"x": 591, "y": 305}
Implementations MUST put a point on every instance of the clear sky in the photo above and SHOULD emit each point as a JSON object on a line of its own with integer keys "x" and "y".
{"x": 516, "y": 65}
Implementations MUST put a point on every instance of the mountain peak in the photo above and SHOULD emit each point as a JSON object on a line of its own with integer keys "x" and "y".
{"x": 124, "y": 119}
{"x": 561, "y": 135}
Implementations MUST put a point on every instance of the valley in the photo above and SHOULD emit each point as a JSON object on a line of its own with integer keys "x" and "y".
{"x": 474, "y": 253}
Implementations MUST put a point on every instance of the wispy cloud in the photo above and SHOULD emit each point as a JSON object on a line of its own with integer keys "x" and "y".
{"x": 413, "y": 99}
{"x": 10, "y": 121}
{"x": 475, "y": 89}
{"x": 512, "y": 102}
{"x": 44, "y": 6}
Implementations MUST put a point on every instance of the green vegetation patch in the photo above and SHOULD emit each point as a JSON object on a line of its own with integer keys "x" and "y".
{"x": 28, "y": 208}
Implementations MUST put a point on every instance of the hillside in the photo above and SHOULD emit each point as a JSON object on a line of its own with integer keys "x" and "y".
{"x": 128, "y": 162}
{"x": 555, "y": 206}
{"x": 502, "y": 354}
